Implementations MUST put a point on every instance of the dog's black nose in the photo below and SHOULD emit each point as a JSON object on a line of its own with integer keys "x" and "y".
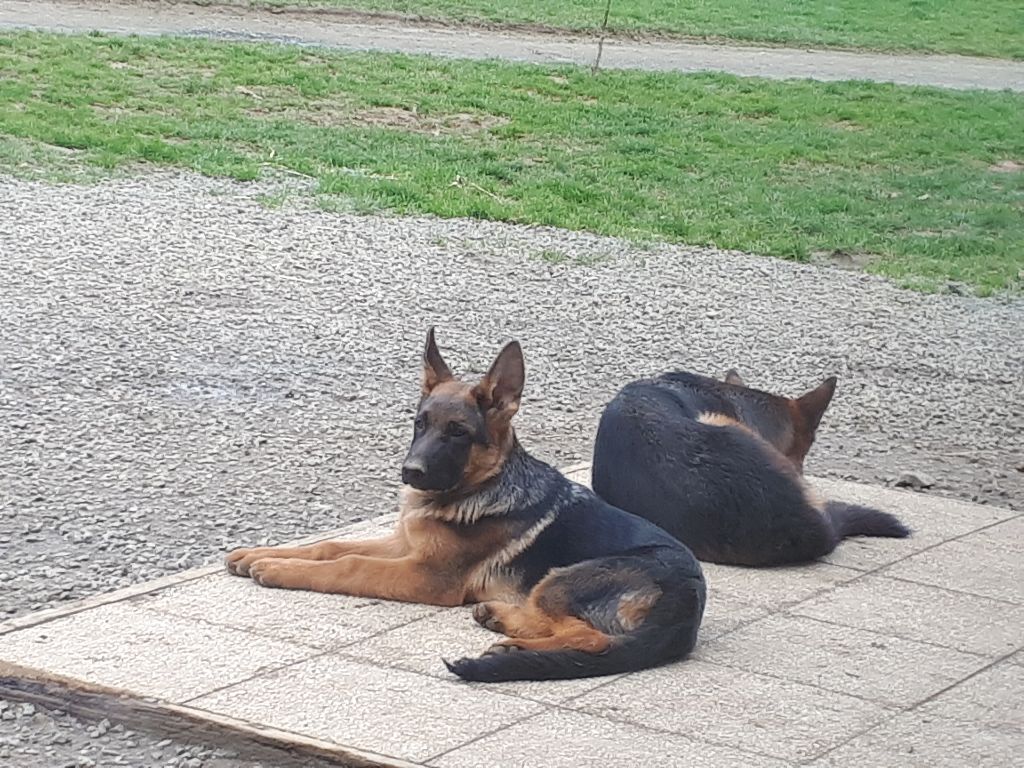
{"x": 413, "y": 474}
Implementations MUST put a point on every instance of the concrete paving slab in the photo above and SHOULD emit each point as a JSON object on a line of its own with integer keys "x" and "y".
{"x": 924, "y": 613}
{"x": 126, "y": 647}
{"x": 1007, "y": 535}
{"x": 933, "y": 520}
{"x": 774, "y": 588}
{"x": 913, "y": 740}
{"x": 565, "y": 739}
{"x": 881, "y": 668}
{"x": 991, "y": 698}
{"x": 383, "y": 710}
{"x": 419, "y": 647}
{"x": 950, "y": 564}
{"x": 761, "y": 713}
{"x": 723, "y": 615}
{"x": 826, "y": 664}
{"x": 306, "y": 618}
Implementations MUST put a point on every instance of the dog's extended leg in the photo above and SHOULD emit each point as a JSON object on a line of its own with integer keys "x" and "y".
{"x": 240, "y": 560}
{"x": 404, "y": 578}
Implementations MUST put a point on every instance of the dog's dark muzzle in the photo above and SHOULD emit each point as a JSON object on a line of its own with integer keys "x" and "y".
{"x": 414, "y": 474}
{"x": 434, "y": 463}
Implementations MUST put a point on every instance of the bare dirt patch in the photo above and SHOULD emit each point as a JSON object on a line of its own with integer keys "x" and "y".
{"x": 1007, "y": 166}
{"x": 410, "y": 120}
{"x": 844, "y": 125}
{"x": 852, "y": 260}
{"x": 396, "y": 118}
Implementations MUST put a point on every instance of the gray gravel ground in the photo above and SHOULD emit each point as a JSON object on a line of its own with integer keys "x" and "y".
{"x": 31, "y": 737}
{"x": 183, "y": 370}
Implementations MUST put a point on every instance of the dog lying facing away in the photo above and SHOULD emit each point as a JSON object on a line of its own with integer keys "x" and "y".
{"x": 719, "y": 466}
{"x": 579, "y": 587}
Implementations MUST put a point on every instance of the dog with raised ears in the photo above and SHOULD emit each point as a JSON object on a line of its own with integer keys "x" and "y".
{"x": 719, "y": 465}
{"x": 579, "y": 587}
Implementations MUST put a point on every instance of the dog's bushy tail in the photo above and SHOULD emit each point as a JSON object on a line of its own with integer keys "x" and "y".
{"x": 627, "y": 653}
{"x": 855, "y": 520}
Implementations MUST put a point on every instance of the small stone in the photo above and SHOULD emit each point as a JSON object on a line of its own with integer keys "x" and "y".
{"x": 916, "y": 480}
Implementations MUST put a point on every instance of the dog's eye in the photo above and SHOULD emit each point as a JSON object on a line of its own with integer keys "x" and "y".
{"x": 454, "y": 429}
{"x": 419, "y": 424}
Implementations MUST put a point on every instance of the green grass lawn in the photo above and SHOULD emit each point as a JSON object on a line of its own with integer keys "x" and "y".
{"x": 979, "y": 27}
{"x": 922, "y": 184}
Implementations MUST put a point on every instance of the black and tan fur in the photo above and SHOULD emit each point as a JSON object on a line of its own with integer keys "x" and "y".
{"x": 720, "y": 466}
{"x": 579, "y": 587}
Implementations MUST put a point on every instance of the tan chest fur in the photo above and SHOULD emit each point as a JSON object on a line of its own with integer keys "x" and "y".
{"x": 478, "y": 551}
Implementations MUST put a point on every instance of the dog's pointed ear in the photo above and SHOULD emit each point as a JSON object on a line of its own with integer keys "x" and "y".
{"x": 502, "y": 387}
{"x": 435, "y": 369}
{"x": 732, "y": 376}
{"x": 813, "y": 404}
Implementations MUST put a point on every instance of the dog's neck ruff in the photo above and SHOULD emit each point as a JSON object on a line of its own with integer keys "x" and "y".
{"x": 497, "y": 497}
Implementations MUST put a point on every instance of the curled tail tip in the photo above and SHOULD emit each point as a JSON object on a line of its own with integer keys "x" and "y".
{"x": 463, "y": 668}
{"x": 858, "y": 520}
{"x": 901, "y": 531}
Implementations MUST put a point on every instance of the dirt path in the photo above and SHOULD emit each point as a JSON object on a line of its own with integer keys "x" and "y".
{"x": 237, "y": 23}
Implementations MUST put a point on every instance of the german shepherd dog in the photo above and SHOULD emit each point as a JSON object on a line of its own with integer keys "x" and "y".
{"x": 720, "y": 466}
{"x": 579, "y": 587}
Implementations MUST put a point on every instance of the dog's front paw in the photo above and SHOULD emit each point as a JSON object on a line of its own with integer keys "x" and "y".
{"x": 239, "y": 560}
{"x": 268, "y": 572}
{"x": 286, "y": 573}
